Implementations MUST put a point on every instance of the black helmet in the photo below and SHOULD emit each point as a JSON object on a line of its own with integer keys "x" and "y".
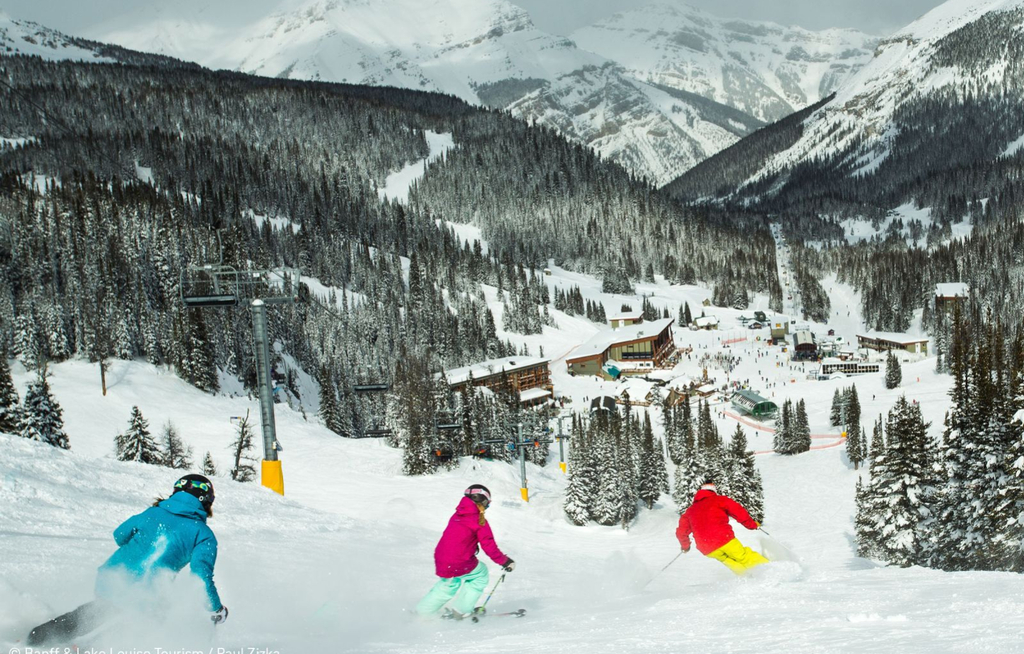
{"x": 479, "y": 494}
{"x": 198, "y": 486}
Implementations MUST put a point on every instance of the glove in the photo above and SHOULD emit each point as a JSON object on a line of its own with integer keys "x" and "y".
{"x": 509, "y": 566}
{"x": 686, "y": 550}
{"x": 220, "y": 616}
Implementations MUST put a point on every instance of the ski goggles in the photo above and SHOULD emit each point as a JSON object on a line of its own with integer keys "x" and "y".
{"x": 470, "y": 492}
{"x": 185, "y": 484}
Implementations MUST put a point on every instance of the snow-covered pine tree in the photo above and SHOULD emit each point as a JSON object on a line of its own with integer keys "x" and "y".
{"x": 895, "y": 507}
{"x": 581, "y": 489}
{"x": 27, "y": 342}
{"x": 744, "y": 480}
{"x": 852, "y": 411}
{"x": 137, "y": 443}
{"x": 628, "y": 482}
{"x": 58, "y": 346}
{"x": 687, "y": 480}
{"x": 606, "y": 508}
{"x": 328, "y": 400}
{"x": 42, "y": 419}
{"x": 838, "y": 405}
{"x": 653, "y": 474}
{"x": 784, "y": 441}
{"x": 244, "y": 469}
{"x": 176, "y": 453}
{"x": 866, "y": 523}
{"x": 10, "y": 411}
{"x": 209, "y": 467}
{"x": 893, "y": 371}
{"x": 802, "y": 429}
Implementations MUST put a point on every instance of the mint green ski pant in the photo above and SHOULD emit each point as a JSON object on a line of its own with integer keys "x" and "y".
{"x": 447, "y": 588}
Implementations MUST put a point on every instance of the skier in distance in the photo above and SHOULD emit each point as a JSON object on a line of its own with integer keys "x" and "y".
{"x": 164, "y": 538}
{"x": 455, "y": 558}
{"x": 708, "y": 520}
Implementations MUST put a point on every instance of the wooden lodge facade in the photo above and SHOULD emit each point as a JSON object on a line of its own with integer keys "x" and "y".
{"x": 529, "y": 377}
{"x": 635, "y": 348}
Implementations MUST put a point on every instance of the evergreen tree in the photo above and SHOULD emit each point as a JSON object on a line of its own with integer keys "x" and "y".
{"x": 744, "y": 480}
{"x": 329, "y": 410}
{"x": 209, "y": 468}
{"x": 136, "y": 443}
{"x": 785, "y": 436}
{"x": 802, "y": 429}
{"x": 42, "y": 419}
{"x": 838, "y": 406}
{"x": 582, "y": 486}
{"x": 894, "y": 509}
{"x": 607, "y": 506}
{"x": 10, "y": 412}
{"x": 893, "y": 371}
{"x": 176, "y": 454}
{"x": 653, "y": 477}
{"x": 852, "y": 411}
{"x": 244, "y": 469}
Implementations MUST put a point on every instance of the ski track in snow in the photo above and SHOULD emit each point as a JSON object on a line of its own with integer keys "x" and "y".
{"x": 338, "y": 562}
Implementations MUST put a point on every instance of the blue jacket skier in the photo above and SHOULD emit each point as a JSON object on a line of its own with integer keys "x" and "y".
{"x": 162, "y": 539}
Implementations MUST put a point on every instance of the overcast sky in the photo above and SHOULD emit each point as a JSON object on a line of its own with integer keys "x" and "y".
{"x": 875, "y": 16}
{"x": 559, "y": 16}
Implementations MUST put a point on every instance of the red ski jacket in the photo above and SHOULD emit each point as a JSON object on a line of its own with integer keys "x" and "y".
{"x": 708, "y": 520}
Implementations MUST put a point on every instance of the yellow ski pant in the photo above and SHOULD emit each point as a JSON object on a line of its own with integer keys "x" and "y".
{"x": 737, "y": 557}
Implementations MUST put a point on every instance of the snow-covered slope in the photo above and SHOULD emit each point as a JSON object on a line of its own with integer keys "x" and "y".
{"x": 484, "y": 51}
{"x": 337, "y": 562}
{"x": 28, "y": 38}
{"x": 964, "y": 53}
{"x": 763, "y": 69}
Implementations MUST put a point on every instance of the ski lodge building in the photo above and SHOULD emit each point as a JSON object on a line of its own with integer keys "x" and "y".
{"x": 530, "y": 377}
{"x": 950, "y": 294}
{"x": 886, "y": 341}
{"x": 804, "y": 345}
{"x": 626, "y": 318}
{"x": 636, "y": 348}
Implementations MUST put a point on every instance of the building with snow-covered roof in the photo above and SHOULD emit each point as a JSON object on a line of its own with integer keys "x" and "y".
{"x": 834, "y": 364}
{"x": 626, "y": 318}
{"x": 886, "y": 341}
{"x": 706, "y": 322}
{"x": 804, "y": 345}
{"x": 529, "y": 377}
{"x": 633, "y": 348}
{"x": 950, "y": 293}
{"x": 753, "y": 404}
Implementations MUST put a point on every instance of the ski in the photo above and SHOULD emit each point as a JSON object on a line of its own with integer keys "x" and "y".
{"x": 507, "y": 614}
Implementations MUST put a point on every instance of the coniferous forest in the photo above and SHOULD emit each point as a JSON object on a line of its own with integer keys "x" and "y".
{"x": 130, "y": 174}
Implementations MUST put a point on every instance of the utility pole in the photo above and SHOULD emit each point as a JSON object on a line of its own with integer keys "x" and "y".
{"x": 520, "y": 443}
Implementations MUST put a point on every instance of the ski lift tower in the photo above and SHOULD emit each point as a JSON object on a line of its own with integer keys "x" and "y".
{"x": 217, "y": 285}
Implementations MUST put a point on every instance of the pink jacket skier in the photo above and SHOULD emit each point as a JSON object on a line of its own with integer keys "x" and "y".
{"x": 455, "y": 556}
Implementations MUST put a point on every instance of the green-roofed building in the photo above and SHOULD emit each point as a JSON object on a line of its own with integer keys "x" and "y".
{"x": 753, "y": 404}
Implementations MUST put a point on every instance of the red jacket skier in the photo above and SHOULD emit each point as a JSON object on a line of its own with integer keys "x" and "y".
{"x": 708, "y": 520}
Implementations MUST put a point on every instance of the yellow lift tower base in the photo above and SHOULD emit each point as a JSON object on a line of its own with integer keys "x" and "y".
{"x": 273, "y": 476}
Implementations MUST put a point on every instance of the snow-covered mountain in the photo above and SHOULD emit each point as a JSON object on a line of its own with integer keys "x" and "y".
{"x": 484, "y": 51}
{"x": 26, "y": 37}
{"x": 943, "y": 92}
{"x": 763, "y": 69}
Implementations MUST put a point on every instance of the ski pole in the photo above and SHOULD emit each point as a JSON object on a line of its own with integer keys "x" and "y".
{"x": 500, "y": 579}
{"x": 662, "y": 570}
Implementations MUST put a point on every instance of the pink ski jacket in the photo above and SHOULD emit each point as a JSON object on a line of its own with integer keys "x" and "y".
{"x": 455, "y": 554}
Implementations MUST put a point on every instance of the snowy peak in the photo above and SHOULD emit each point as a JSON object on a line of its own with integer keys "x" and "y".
{"x": 28, "y": 38}
{"x": 951, "y": 75}
{"x": 763, "y": 69}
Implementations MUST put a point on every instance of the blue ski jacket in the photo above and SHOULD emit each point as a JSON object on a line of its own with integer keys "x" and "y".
{"x": 168, "y": 536}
